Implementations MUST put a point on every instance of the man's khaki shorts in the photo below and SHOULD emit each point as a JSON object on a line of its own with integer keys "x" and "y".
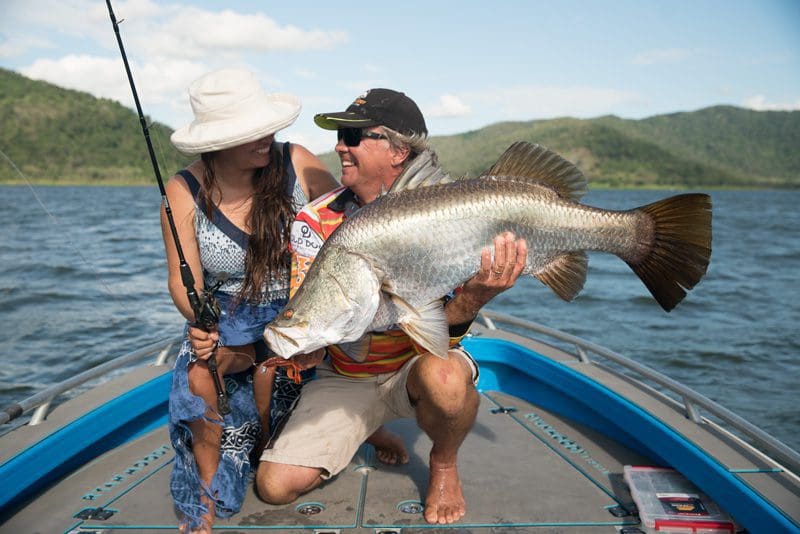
{"x": 336, "y": 414}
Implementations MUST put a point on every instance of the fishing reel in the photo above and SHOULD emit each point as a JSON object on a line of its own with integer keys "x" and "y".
{"x": 207, "y": 313}
{"x": 206, "y": 307}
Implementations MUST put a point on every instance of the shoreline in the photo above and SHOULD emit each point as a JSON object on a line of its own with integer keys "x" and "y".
{"x": 654, "y": 187}
{"x": 597, "y": 186}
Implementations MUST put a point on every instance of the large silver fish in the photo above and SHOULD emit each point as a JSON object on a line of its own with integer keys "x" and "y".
{"x": 394, "y": 260}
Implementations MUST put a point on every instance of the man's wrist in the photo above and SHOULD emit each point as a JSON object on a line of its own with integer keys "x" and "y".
{"x": 462, "y": 309}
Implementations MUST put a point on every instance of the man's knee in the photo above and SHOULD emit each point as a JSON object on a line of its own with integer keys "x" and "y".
{"x": 446, "y": 383}
{"x": 270, "y": 486}
{"x": 282, "y": 483}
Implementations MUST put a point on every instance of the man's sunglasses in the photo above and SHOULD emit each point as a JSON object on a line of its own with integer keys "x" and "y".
{"x": 353, "y": 136}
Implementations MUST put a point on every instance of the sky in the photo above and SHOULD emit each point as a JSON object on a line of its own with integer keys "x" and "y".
{"x": 467, "y": 64}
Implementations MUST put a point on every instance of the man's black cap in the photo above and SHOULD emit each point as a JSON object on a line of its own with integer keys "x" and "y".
{"x": 377, "y": 107}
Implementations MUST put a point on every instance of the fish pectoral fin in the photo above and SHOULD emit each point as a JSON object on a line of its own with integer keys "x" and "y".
{"x": 428, "y": 328}
{"x": 399, "y": 302}
{"x": 565, "y": 275}
{"x": 357, "y": 350}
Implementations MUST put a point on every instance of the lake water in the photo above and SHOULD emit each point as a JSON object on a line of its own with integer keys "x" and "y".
{"x": 83, "y": 279}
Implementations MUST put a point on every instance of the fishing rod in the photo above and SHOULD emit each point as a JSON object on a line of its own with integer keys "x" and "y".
{"x": 204, "y": 306}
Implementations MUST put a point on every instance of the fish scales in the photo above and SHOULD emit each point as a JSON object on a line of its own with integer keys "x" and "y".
{"x": 404, "y": 233}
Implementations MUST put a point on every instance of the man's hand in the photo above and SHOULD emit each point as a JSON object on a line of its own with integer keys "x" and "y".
{"x": 203, "y": 343}
{"x": 493, "y": 277}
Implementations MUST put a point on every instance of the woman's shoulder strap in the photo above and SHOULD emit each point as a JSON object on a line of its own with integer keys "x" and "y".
{"x": 191, "y": 181}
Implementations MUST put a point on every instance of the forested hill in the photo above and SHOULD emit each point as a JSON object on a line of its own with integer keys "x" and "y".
{"x": 57, "y": 135}
{"x": 716, "y": 146}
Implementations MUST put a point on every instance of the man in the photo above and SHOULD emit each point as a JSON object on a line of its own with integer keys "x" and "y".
{"x": 381, "y": 135}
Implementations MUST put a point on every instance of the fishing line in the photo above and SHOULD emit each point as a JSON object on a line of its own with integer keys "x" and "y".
{"x": 56, "y": 222}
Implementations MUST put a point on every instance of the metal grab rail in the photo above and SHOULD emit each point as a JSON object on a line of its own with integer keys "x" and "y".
{"x": 781, "y": 452}
{"x": 41, "y": 401}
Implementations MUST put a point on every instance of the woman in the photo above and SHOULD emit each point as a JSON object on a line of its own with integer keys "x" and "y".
{"x": 232, "y": 209}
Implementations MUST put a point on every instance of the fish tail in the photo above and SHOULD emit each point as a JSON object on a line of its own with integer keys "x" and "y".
{"x": 680, "y": 247}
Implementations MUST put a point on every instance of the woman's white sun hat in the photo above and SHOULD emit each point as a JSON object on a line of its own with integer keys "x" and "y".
{"x": 230, "y": 109}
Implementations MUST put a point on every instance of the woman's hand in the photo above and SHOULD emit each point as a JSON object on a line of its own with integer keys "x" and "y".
{"x": 203, "y": 343}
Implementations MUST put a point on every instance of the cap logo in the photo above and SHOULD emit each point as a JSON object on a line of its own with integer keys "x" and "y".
{"x": 361, "y": 99}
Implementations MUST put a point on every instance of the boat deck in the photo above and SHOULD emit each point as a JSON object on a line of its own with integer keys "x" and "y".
{"x": 522, "y": 468}
{"x": 551, "y": 463}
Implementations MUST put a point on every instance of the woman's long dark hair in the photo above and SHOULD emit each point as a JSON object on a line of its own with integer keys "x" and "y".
{"x": 271, "y": 213}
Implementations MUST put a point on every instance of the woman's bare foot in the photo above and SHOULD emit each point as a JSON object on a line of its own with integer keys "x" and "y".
{"x": 389, "y": 448}
{"x": 183, "y": 528}
{"x": 206, "y": 520}
{"x": 445, "y": 501}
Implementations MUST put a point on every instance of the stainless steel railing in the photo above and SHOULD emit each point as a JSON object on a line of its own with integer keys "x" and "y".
{"x": 41, "y": 401}
{"x": 691, "y": 399}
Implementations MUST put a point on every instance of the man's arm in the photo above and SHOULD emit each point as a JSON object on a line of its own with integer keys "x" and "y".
{"x": 493, "y": 277}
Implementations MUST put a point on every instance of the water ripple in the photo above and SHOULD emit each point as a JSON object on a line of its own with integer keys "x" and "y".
{"x": 93, "y": 286}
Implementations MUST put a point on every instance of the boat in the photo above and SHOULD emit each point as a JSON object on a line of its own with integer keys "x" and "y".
{"x": 564, "y": 428}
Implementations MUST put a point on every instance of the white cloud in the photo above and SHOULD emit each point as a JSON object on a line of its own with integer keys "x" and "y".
{"x": 214, "y": 32}
{"x": 130, "y": 10}
{"x": 15, "y": 45}
{"x": 98, "y": 76}
{"x": 30, "y": 26}
{"x": 165, "y": 57}
{"x": 449, "y": 106}
{"x": 759, "y": 103}
{"x": 158, "y": 84}
{"x": 173, "y": 29}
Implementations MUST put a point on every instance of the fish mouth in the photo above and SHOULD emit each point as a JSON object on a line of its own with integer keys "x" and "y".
{"x": 280, "y": 343}
{"x": 287, "y": 342}
{"x": 285, "y": 339}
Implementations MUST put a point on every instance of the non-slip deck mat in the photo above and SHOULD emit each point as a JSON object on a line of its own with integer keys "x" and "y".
{"x": 519, "y": 468}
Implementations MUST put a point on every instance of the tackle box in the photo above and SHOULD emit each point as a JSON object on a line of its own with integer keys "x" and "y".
{"x": 669, "y": 503}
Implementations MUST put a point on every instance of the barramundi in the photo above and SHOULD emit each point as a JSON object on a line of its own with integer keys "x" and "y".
{"x": 395, "y": 259}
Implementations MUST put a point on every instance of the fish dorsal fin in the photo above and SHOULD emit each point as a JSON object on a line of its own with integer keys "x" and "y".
{"x": 537, "y": 164}
{"x": 565, "y": 275}
{"x": 424, "y": 170}
{"x": 427, "y": 326}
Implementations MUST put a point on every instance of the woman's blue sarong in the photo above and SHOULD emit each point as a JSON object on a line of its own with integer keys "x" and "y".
{"x": 240, "y": 434}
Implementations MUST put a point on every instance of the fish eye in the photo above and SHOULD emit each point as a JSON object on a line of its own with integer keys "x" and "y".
{"x": 288, "y": 313}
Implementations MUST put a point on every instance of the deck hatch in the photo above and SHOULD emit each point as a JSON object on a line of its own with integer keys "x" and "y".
{"x": 99, "y": 513}
{"x": 310, "y": 508}
{"x": 410, "y": 507}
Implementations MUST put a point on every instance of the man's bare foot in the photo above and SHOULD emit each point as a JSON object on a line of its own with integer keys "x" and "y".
{"x": 389, "y": 448}
{"x": 445, "y": 501}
